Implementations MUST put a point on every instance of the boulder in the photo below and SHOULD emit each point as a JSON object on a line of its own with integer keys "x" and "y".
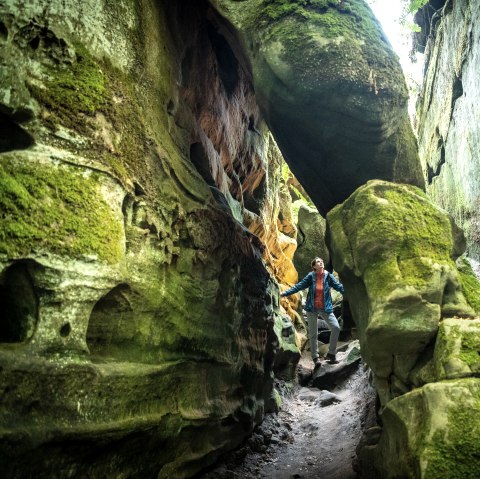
{"x": 457, "y": 349}
{"x": 429, "y": 433}
{"x": 330, "y": 375}
{"x": 331, "y": 90}
{"x": 394, "y": 251}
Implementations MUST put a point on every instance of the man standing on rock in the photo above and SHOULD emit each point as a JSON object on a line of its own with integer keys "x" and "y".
{"x": 319, "y": 303}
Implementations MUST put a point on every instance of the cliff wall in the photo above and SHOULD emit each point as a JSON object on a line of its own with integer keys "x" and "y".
{"x": 138, "y": 317}
{"x": 448, "y": 117}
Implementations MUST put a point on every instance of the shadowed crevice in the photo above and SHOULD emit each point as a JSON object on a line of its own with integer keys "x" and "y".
{"x": 13, "y": 136}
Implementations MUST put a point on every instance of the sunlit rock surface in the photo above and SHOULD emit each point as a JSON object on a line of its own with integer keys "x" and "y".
{"x": 448, "y": 117}
{"x": 331, "y": 90}
{"x": 137, "y": 327}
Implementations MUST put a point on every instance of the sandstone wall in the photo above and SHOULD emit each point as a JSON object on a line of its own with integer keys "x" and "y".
{"x": 332, "y": 92}
{"x": 137, "y": 330}
{"x": 448, "y": 116}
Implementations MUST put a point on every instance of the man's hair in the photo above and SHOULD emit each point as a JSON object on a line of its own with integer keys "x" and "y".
{"x": 312, "y": 264}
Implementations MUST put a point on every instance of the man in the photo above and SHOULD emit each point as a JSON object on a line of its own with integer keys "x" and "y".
{"x": 319, "y": 303}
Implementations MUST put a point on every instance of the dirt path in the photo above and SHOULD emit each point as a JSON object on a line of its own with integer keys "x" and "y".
{"x": 313, "y": 436}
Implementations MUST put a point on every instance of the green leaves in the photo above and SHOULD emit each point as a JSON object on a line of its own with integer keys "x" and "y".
{"x": 415, "y": 5}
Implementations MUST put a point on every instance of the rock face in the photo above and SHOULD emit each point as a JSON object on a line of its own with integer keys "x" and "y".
{"x": 272, "y": 220}
{"x": 448, "y": 118}
{"x": 137, "y": 328}
{"x": 143, "y": 219}
{"x": 310, "y": 239}
{"x": 331, "y": 90}
{"x": 395, "y": 251}
{"x": 432, "y": 431}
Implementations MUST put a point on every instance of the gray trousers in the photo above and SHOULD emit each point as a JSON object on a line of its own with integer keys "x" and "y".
{"x": 331, "y": 320}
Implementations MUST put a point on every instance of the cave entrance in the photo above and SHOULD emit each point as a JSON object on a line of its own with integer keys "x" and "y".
{"x": 18, "y": 304}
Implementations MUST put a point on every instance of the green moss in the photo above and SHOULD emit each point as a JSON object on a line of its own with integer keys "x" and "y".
{"x": 402, "y": 230}
{"x": 74, "y": 93}
{"x": 457, "y": 340}
{"x": 117, "y": 166}
{"x": 335, "y": 44}
{"x": 56, "y": 210}
{"x": 73, "y": 89}
{"x": 470, "y": 352}
{"x": 470, "y": 284}
{"x": 454, "y": 453}
{"x": 445, "y": 345}
{"x": 424, "y": 228}
{"x": 272, "y": 11}
{"x": 125, "y": 116}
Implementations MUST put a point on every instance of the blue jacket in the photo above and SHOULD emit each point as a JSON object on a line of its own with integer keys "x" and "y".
{"x": 309, "y": 281}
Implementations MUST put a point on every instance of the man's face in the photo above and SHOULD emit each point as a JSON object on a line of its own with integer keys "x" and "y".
{"x": 318, "y": 265}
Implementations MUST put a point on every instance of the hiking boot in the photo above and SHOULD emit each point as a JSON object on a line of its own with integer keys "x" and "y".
{"x": 331, "y": 358}
{"x": 317, "y": 363}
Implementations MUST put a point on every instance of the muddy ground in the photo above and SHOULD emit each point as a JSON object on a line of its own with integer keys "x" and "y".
{"x": 314, "y": 435}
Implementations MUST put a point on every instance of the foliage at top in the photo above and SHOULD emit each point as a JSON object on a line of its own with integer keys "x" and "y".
{"x": 415, "y": 5}
{"x": 411, "y": 8}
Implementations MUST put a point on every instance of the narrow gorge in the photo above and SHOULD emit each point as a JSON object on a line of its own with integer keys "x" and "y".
{"x": 168, "y": 168}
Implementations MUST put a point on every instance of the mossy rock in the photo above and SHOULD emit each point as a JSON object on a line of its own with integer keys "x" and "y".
{"x": 430, "y": 433}
{"x": 332, "y": 92}
{"x": 75, "y": 88}
{"x": 457, "y": 348}
{"x": 393, "y": 250}
{"x": 470, "y": 283}
{"x": 288, "y": 353}
{"x": 56, "y": 209}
